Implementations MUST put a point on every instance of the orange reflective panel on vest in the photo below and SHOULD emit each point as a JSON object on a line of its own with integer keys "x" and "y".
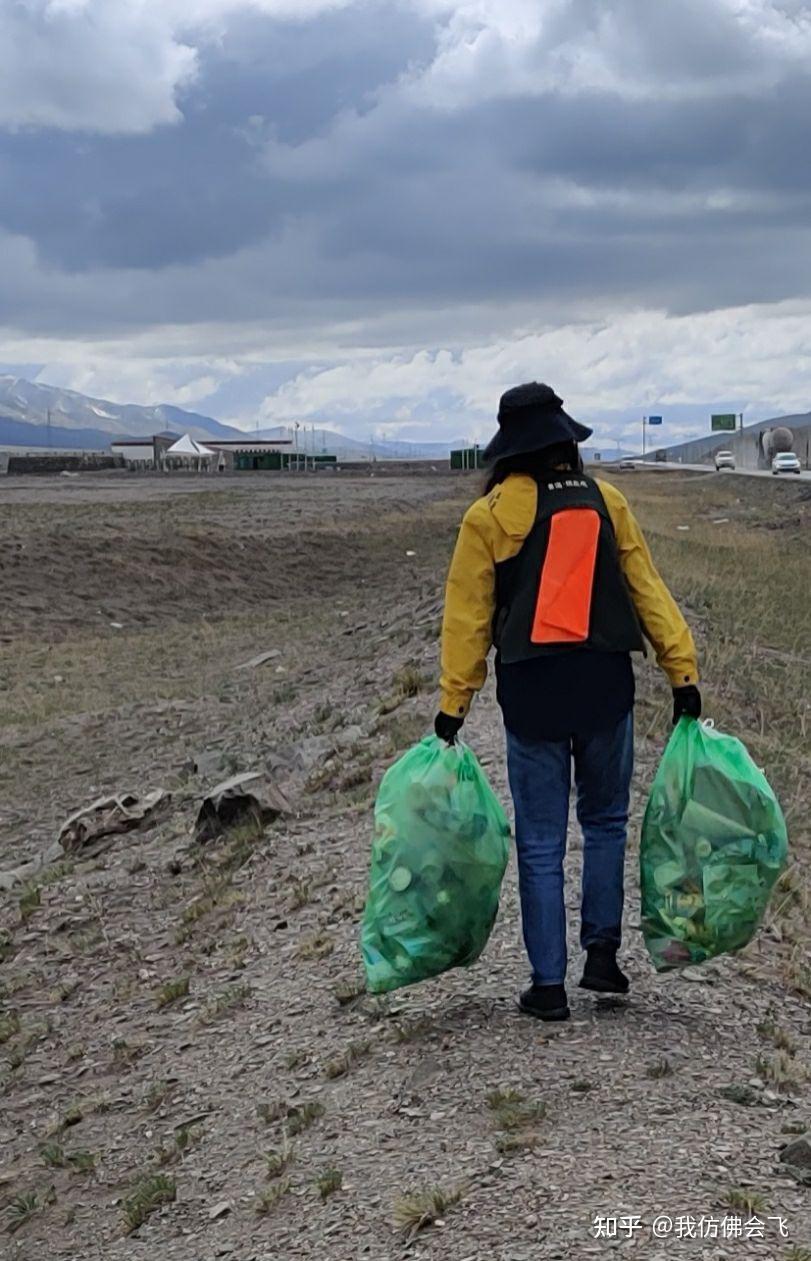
{"x": 563, "y": 609}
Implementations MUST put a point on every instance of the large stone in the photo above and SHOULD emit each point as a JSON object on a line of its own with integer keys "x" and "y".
{"x": 313, "y": 750}
{"x": 90, "y": 828}
{"x": 798, "y": 1153}
{"x": 244, "y": 799}
{"x": 210, "y": 762}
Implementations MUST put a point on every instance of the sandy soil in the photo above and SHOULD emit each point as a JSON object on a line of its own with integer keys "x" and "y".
{"x": 199, "y": 578}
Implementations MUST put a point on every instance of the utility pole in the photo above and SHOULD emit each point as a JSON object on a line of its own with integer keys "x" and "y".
{"x": 48, "y": 433}
{"x": 644, "y": 436}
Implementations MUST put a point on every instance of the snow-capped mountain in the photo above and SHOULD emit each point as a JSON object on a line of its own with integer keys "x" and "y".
{"x": 28, "y": 403}
{"x": 36, "y": 415}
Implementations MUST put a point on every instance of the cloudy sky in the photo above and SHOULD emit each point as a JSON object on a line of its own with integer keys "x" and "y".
{"x": 378, "y": 214}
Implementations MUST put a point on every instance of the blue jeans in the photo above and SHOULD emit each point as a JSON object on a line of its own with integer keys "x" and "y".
{"x": 540, "y": 781}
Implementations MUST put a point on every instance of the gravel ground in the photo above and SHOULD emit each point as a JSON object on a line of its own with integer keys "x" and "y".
{"x": 634, "y": 1122}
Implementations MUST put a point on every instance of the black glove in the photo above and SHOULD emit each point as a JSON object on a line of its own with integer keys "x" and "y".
{"x": 686, "y": 700}
{"x": 447, "y": 727}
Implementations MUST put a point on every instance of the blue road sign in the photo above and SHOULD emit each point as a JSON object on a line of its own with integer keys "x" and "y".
{"x": 654, "y": 420}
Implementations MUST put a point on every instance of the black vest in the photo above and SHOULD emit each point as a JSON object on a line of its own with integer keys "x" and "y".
{"x": 567, "y": 572}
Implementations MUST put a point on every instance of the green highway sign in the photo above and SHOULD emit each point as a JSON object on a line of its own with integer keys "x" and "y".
{"x": 723, "y": 420}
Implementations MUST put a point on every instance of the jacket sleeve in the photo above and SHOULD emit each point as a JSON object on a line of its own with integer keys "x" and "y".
{"x": 468, "y": 617}
{"x": 661, "y": 617}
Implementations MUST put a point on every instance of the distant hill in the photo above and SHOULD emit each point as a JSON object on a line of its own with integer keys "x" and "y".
{"x": 34, "y": 415}
{"x": 18, "y": 433}
{"x": 28, "y": 403}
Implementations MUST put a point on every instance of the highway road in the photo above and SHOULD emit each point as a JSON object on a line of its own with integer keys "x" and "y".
{"x": 664, "y": 466}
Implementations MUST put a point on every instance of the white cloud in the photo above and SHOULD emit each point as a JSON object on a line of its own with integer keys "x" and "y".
{"x": 639, "y": 50}
{"x": 608, "y": 372}
{"x": 760, "y": 355}
{"x": 111, "y": 66}
{"x": 118, "y": 66}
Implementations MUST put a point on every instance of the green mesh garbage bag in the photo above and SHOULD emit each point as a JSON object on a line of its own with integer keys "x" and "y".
{"x": 440, "y": 850}
{"x": 713, "y": 844}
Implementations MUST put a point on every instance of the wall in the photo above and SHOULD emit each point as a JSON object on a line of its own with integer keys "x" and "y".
{"x": 61, "y": 463}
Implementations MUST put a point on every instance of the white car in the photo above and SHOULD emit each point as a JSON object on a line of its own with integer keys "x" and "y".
{"x": 786, "y": 462}
{"x": 724, "y": 459}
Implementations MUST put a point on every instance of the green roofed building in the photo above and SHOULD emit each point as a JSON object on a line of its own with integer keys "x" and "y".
{"x": 467, "y": 458}
{"x": 283, "y": 461}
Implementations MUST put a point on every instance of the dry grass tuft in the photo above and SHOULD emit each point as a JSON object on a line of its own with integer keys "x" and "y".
{"x": 150, "y": 1194}
{"x": 183, "y": 1139}
{"x": 743, "y": 1200}
{"x": 229, "y": 1000}
{"x": 9, "y": 1027}
{"x": 511, "y": 1112}
{"x": 412, "y": 1030}
{"x": 342, "y": 1063}
{"x": 218, "y": 895}
{"x": 417, "y": 1210}
{"x": 661, "y": 1068}
{"x": 271, "y": 1111}
{"x": 272, "y": 1197}
{"x": 21, "y": 1209}
{"x": 278, "y": 1158}
{"x": 347, "y": 992}
{"x": 301, "y": 893}
{"x": 300, "y": 1118}
{"x": 155, "y": 1095}
{"x": 297, "y": 1059}
{"x": 30, "y": 901}
{"x": 171, "y": 991}
{"x": 82, "y": 1161}
{"x": 318, "y": 946}
{"x": 73, "y": 1114}
{"x": 328, "y": 1182}
{"x": 53, "y": 1155}
{"x": 521, "y": 1141}
{"x": 780, "y": 1070}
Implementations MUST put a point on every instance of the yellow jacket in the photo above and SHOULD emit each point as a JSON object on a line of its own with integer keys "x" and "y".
{"x": 493, "y": 530}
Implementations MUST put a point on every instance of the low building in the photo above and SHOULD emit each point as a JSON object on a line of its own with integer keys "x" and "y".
{"x": 144, "y": 453}
{"x": 467, "y": 458}
{"x": 247, "y": 454}
{"x": 228, "y": 454}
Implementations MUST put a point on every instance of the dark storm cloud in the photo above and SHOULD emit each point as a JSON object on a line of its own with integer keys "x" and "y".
{"x": 184, "y": 193}
{"x": 303, "y": 182}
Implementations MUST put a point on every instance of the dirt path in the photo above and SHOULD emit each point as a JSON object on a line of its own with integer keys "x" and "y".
{"x": 200, "y": 1090}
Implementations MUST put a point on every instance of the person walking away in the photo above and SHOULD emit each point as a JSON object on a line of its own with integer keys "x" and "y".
{"x": 551, "y": 567}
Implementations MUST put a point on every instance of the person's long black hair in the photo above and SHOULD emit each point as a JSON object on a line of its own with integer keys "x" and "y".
{"x": 561, "y": 455}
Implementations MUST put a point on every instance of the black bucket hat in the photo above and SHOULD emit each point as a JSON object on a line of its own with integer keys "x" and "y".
{"x": 531, "y": 417}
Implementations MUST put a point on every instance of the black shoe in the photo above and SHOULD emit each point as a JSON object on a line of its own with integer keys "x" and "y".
{"x": 546, "y": 1002}
{"x": 602, "y": 972}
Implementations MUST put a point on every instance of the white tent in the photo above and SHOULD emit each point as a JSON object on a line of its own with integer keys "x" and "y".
{"x": 189, "y": 446}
